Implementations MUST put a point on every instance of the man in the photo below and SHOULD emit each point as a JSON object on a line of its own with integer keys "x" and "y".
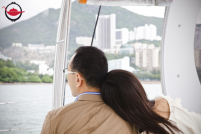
{"x": 88, "y": 114}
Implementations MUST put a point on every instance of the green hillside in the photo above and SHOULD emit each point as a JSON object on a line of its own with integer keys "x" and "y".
{"x": 42, "y": 28}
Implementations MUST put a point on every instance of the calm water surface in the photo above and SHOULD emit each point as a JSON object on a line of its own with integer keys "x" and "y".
{"x": 32, "y": 114}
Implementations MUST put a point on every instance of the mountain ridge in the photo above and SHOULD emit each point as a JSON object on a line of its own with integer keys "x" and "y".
{"x": 42, "y": 28}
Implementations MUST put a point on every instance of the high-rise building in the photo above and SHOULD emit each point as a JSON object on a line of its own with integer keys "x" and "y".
{"x": 131, "y": 36}
{"x": 139, "y": 33}
{"x": 147, "y": 58}
{"x": 148, "y": 32}
{"x": 123, "y": 63}
{"x": 122, "y": 36}
{"x": 153, "y": 32}
{"x": 86, "y": 41}
{"x": 106, "y": 31}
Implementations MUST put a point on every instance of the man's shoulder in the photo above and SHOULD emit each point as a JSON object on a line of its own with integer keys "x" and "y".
{"x": 79, "y": 108}
{"x": 73, "y": 108}
{"x": 86, "y": 114}
{"x": 69, "y": 106}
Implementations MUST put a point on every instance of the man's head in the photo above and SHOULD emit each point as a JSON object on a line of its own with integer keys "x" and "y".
{"x": 91, "y": 66}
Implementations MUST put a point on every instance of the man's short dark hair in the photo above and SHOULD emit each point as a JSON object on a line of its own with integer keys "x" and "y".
{"x": 92, "y": 64}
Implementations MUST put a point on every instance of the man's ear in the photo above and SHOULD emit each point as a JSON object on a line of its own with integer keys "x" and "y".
{"x": 78, "y": 80}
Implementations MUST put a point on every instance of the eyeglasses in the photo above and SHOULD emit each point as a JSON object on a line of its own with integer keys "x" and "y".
{"x": 68, "y": 72}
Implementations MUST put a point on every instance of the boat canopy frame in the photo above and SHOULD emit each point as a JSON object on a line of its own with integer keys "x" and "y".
{"x": 177, "y": 81}
{"x": 61, "y": 53}
{"x": 127, "y": 2}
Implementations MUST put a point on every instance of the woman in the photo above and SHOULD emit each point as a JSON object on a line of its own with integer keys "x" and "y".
{"x": 123, "y": 92}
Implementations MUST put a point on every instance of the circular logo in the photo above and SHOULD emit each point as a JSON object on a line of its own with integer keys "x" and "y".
{"x": 13, "y": 11}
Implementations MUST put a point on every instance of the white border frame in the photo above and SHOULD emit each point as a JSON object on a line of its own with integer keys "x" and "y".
{"x": 179, "y": 76}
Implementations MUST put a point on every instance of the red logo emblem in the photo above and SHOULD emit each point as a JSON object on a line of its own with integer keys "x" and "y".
{"x": 13, "y": 11}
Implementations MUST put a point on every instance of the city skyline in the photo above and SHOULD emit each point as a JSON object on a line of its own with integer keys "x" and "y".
{"x": 29, "y": 7}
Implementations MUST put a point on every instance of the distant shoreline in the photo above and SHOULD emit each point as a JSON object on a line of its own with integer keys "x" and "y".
{"x": 29, "y": 83}
{"x": 26, "y": 83}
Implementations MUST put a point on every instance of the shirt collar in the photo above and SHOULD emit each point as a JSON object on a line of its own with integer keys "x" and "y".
{"x": 90, "y": 97}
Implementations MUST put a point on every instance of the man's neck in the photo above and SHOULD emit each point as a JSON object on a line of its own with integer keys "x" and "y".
{"x": 89, "y": 89}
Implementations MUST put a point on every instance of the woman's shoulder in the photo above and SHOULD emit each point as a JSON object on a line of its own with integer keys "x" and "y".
{"x": 189, "y": 121}
{"x": 162, "y": 107}
{"x": 169, "y": 105}
{"x": 171, "y": 102}
{"x": 166, "y": 97}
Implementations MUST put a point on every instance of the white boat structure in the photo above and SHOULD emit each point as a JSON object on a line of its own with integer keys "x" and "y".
{"x": 178, "y": 71}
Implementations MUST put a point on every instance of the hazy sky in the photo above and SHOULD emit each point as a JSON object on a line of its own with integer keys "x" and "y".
{"x": 33, "y": 7}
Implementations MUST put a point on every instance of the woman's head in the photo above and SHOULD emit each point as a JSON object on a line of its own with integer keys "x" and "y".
{"x": 123, "y": 92}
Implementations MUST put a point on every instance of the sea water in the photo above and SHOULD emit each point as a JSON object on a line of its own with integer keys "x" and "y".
{"x": 31, "y": 114}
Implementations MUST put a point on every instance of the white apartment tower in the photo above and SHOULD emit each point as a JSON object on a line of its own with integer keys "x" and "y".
{"x": 153, "y": 32}
{"x": 123, "y": 63}
{"x": 106, "y": 31}
{"x": 148, "y": 32}
{"x": 131, "y": 35}
{"x": 122, "y": 36}
{"x": 147, "y": 58}
{"x": 139, "y": 33}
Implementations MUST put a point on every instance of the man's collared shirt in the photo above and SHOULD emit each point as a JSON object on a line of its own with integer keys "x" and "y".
{"x": 88, "y": 115}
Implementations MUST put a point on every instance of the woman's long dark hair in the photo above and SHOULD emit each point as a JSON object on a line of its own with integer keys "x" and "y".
{"x": 123, "y": 92}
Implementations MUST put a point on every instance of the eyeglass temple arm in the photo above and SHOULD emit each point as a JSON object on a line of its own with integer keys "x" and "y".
{"x": 64, "y": 69}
